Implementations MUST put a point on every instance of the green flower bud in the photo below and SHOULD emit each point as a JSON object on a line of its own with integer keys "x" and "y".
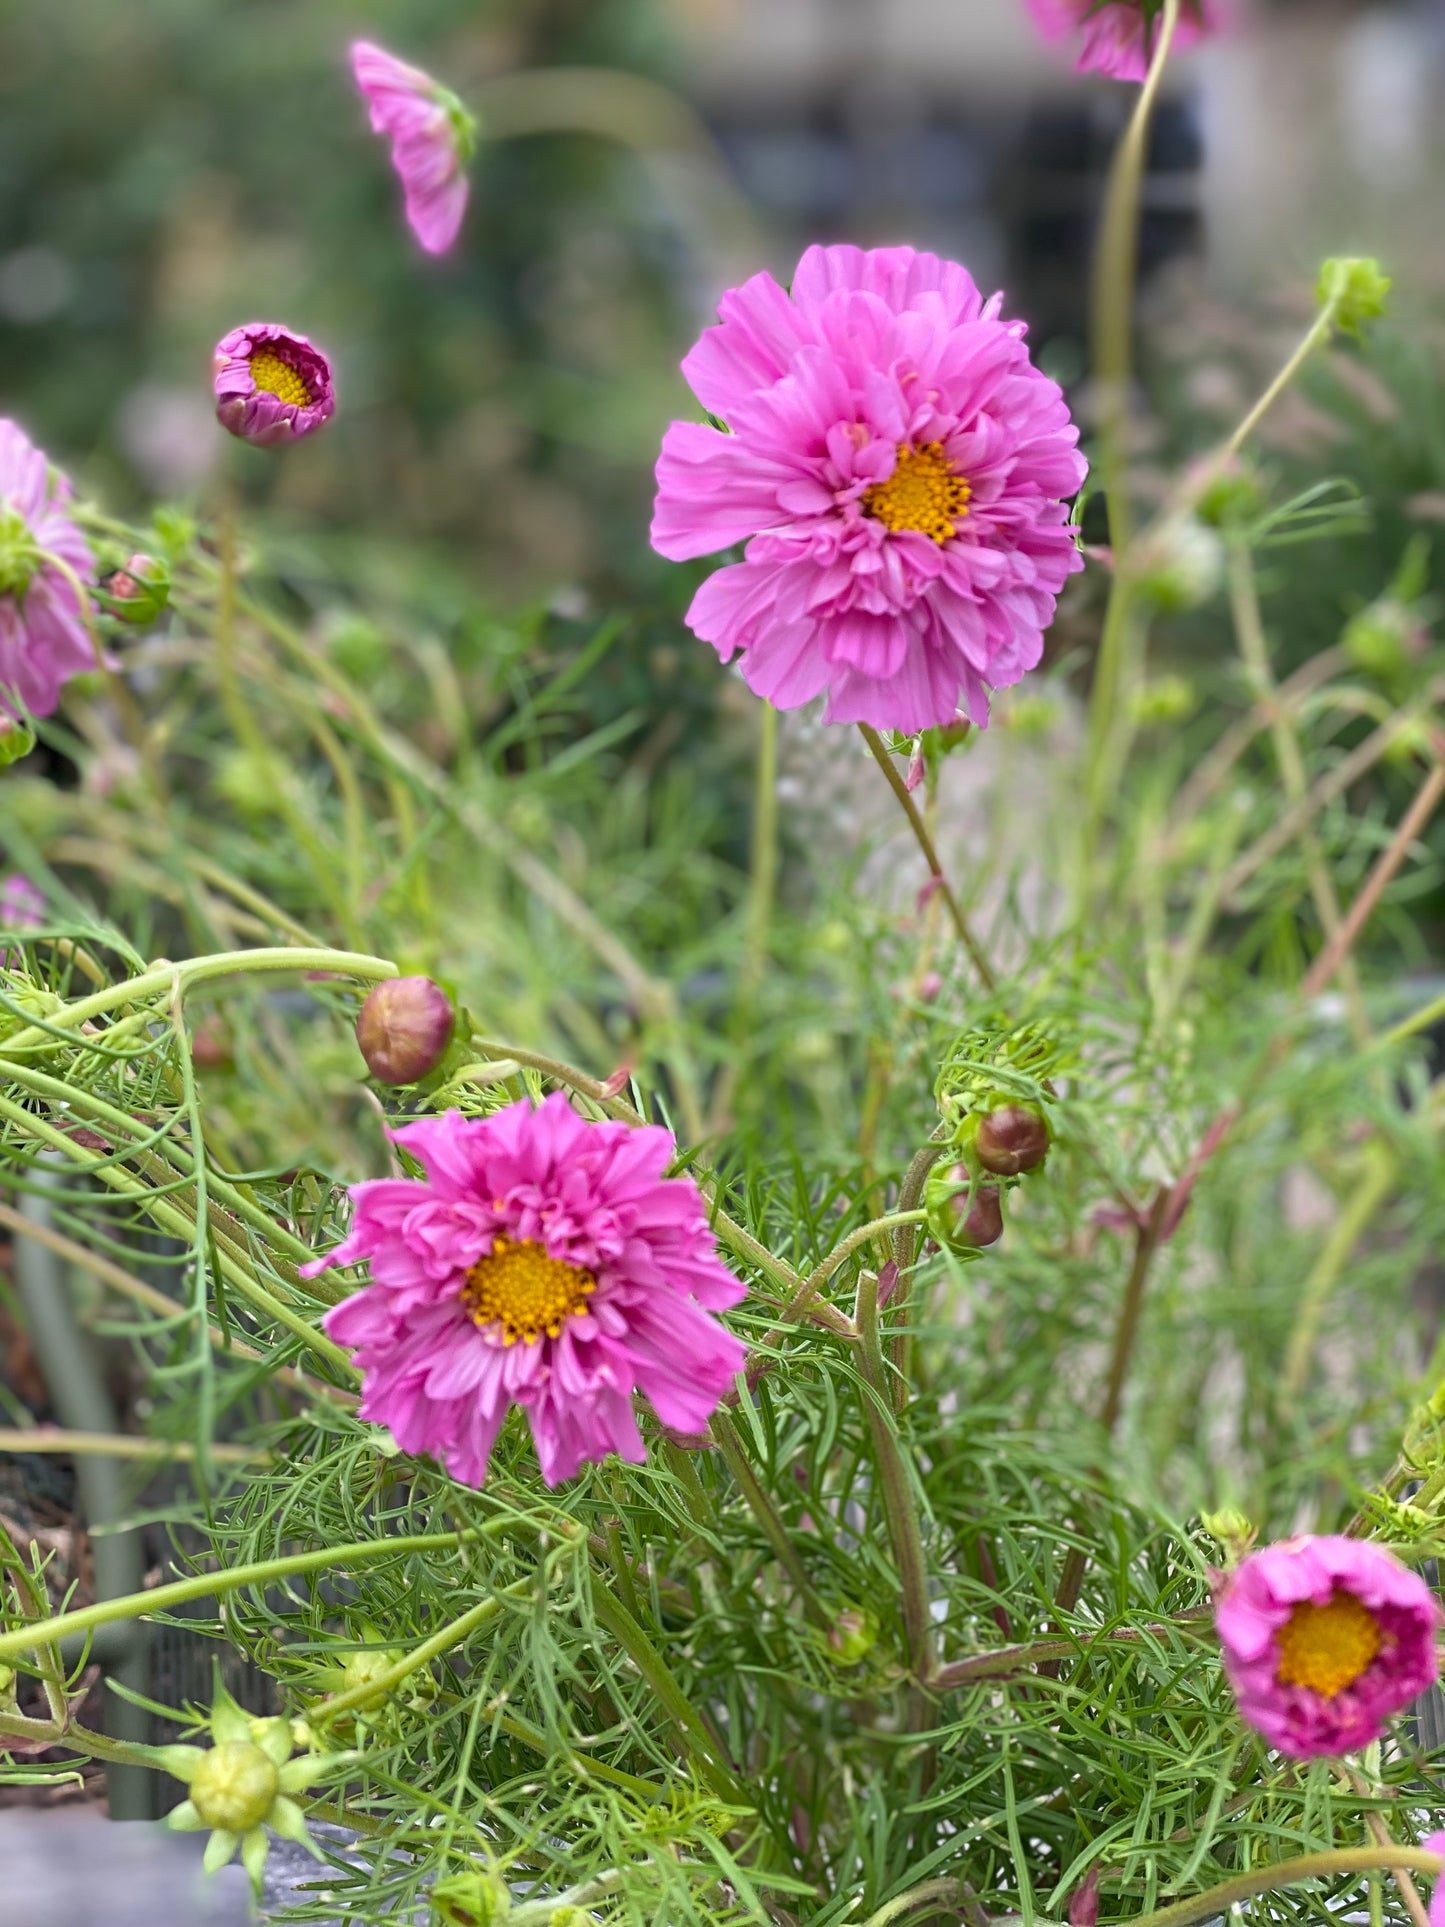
{"x": 17, "y": 739}
{"x": 403, "y": 1029}
{"x": 1168, "y": 699}
{"x": 852, "y": 1635}
{"x": 365, "y": 1670}
{"x": 235, "y": 1786}
{"x": 1355, "y": 288}
{"x": 1383, "y": 640}
{"x": 1011, "y": 1140}
{"x": 1230, "y": 495}
{"x": 962, "y": 1224}
{"x": 470, "y": 1900}
{"x": 1233, "y": 1531}
{"x": 1183, "y": 568}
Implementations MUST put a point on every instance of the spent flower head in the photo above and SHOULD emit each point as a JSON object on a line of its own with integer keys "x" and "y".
{"x": 900, "y": 472}
{"x": 241, "y": 1785}
{"x": 432, "y": 136}
{"x": 1355, "y": 289}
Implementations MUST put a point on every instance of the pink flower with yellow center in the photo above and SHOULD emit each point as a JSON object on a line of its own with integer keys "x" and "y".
{"x": 1118, "y": 36}
{"x": 432, "y": 136}
{"x": 545, "y": 1262}
{"x": 900, "y": 472}
{"x": 271, "y": 384}
{"x": 45, "y": 562}
{"x": 1324, "y": 1639}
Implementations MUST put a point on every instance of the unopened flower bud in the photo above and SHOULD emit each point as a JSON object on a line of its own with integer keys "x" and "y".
{"x": 404, "y": 1028}
{"x": 852, "y": 1635}
{"x": 1084, "y": 1900}
{"x": 982, "y": 1223}
{"x": 367, "y": 1671}
{"x": 235, "y": 1786}
{"x": 1011, "y": 1140}
{"x": 1167, "y": 699}
{"x": 470, "y": 1900}
{"x": 1355, "y": 288}
{"x": 17, "y": 739}
{"x": 1183, "y": 569}
{"x": 963, "y": 1215}
{"x": 141, "y": 590}
{"x": 1383, "y": 640}
{"x": 1233, "y": 1531}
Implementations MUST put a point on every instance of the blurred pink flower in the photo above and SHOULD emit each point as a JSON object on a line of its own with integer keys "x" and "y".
{"x": 1324, "y": 1638}
{"x": 1118, "y": 36}
{"x": 44, "y": 559}
{"x": 1435, "y": 1843}
{"x": 544, "y": 1262}
{"x": 271, "y": 384}
{"x": 432, "y": 139}
{"x": 22, "y": 905}
{"x": 899, "y": 471}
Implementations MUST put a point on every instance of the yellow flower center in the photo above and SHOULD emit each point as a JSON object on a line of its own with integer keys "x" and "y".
{"x": 524, "y": 1291}
{"x": 922, "y": 493}
{"x": 273, "y": 376}
{"x": 1326, "y": 1648}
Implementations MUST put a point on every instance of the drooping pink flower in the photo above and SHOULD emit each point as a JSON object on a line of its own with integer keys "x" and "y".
{"x": 44, "y": 560}
{"x": 432, "y": 139}
{"x": 899, "y": 471}
{"x": 1324, "y": 1638}
{"x": 544, "y": 1262}
{"x": 1435, "y": 1843}
{"x": 271, "y": 384}
{"x": 1119, "y": 36}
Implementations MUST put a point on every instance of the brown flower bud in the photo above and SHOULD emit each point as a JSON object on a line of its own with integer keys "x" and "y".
{"x": 404, "y": 1028}
{"x": 1011, "y": 1140}
{"x": 982, "y": 1223}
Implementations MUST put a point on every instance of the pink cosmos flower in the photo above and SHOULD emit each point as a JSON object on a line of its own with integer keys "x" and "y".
{"x": 271, "y": 384}
{"x": 432, "y": 138}
{"x": 1119, "y": 35}
{"x": 544, "y": 1262}
{"x": 899, "y": 471}
{"x": 44, "y": 559}
{"x": 1324, "y": 1638}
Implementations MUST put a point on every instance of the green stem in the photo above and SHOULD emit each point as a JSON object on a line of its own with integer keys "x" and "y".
{"x": 700, "y": 1743}
{"x": 899, "y": 1503}
{"x": 142, "y": 1605}
{"x": 116, "y": 1445}
{"x": 943, "y": 1891}
{"x": 1115, "y": 276}
{"x": 231, "y": 963}
{"x": 879, "y": 751}
{"x": 764, "y": 879}
{"x": 387, "y": 1682}
{"x": 769, "y": 1518}
{"x": 167, "y": 1217}
{"x": 1306, "y": 1866}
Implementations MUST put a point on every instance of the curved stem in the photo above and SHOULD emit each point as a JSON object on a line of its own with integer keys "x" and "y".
{"x": 211, "y": 1585}
{"x": 230, "y": 963}
{"x": 944, "y": 1891}
{"x": 879, "y": 751}
{"x": 769, "y": 1518}
{"x": 1306, "y": 1866}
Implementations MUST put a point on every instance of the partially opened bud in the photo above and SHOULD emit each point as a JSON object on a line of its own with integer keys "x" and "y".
{"x": 234, "y": 1786}
{"x": 404, "y": 1028}
{"x": 140, "y": 591}
{"x": 1011, "y": 1140}
{"x": 271, "y": 384}
{"x": 1084, "y": 1900}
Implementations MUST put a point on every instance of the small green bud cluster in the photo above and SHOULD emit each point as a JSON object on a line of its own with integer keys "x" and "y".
{"x": 1355, "y": 289}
